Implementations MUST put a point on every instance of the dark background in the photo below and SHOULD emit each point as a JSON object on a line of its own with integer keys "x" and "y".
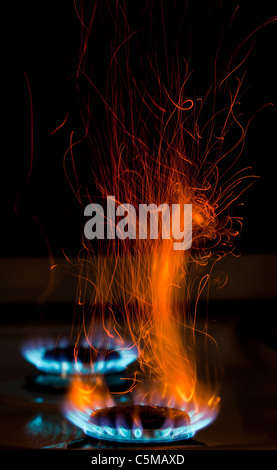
{"x": 44, "y": 215}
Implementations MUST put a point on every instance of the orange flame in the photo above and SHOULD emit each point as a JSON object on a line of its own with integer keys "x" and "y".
{"x": 160, "y": 150}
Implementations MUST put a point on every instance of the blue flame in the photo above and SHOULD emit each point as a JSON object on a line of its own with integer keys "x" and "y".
{"x": 121, "y": 433}
{"x": 34, "y": 352}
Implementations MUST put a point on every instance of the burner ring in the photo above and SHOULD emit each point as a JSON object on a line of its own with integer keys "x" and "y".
{"x": 48, "y": 358}
{"x": 139, "y": 424}
{"x": 95, "y": 423}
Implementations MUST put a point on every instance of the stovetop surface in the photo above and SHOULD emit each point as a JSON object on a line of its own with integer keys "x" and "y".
{"x": 32, "y": 419}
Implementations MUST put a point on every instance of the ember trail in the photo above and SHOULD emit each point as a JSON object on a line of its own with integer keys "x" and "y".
{"x": 159, "y": 142}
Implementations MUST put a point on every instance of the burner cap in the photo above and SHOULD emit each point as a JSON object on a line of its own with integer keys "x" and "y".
{"x": 138, "y": 424}
{"x": 149, "y": 417}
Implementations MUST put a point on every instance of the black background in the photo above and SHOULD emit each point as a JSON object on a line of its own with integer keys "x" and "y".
{"x": 44, "y": 215}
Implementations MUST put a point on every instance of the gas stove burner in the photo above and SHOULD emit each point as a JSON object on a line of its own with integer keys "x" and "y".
{"x": 89, "y": 360}
{"x": 150, "y": 417}
{"x": 138, "y": 424}
{"x": 61, "y": 359}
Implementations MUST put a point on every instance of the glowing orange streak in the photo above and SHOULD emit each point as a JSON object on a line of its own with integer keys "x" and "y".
{"x": 77, "y": 194}
{"x": 53, "y": 266}
{"x": 200, "y": 289}
{"x": 115, "y": 323}
{"x": 78, "y": 14}
{"x": 66, "y": 257}
{"x": 163, "y": 110}
{"x": 88, "y": 30}
{"x": 177, "y": 105}
{"x": 196, "y": 330}
{"x": 61, "y": 125}
{"x": 236, "y": 68}
{"x": 120, "y": 46}
{"x": 271, "y": 20}
{"x": 130, "y": 389}
{"x": 113, "y": 113}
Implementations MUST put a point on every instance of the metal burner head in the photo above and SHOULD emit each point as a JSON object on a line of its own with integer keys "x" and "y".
{"x": 140, "y": 424}
{"x": 149, "y": 425}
